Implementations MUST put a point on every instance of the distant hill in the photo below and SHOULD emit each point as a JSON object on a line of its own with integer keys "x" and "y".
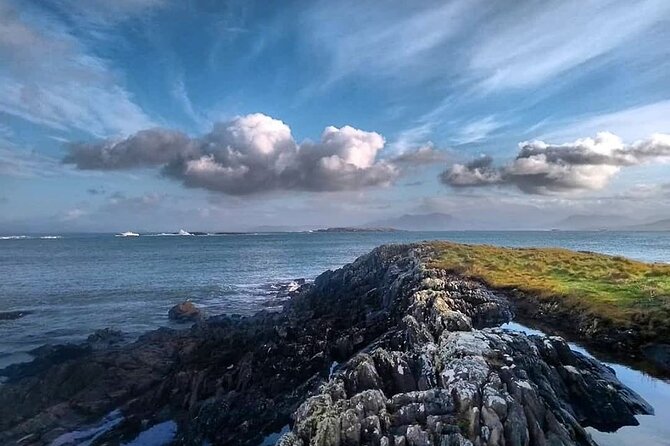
{"x": 357, "y": 229}
{"x": 278, "y": 228}
{"x": 659, "y": 225}
{"x": 594, "y": 222}
{"x": 418, "y": 222}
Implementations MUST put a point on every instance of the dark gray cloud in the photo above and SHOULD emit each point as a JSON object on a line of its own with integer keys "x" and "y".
{"x": 96, "y": 191}
{"x": 541, "y": 168}
{"x": 145, "y": 148}
{"x": 251, "y": 154}
{"x": 478, "y": 172}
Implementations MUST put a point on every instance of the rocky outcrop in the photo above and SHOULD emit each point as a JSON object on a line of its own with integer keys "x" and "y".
{"x": 381, "y": 351}
{"x": 484, "y": 387}
{"x": 437, "y": 381}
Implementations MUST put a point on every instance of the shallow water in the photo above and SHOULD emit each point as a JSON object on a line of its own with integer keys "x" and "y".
{"x": 654, "y": 430}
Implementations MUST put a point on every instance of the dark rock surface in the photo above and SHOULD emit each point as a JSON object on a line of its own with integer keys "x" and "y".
{"x": 658, "y": 354}
{"x": 12, "y": 315}
{"x": 185, "y": 312}
{"x": 417, "y": 366}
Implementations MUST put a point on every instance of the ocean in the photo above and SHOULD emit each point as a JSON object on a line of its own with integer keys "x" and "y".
{"x": 74, "y": 284}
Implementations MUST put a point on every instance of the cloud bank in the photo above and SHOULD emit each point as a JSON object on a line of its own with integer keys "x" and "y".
{"x": 542, "y": 168}
{"x": 253, "y": 154}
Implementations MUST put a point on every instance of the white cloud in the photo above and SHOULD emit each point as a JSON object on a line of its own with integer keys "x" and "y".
{"x": 541, "y": 168}
{"x": 246, "y": 155}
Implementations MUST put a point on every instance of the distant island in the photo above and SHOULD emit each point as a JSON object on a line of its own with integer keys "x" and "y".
{"x": 435, "y": 221}
{"x": 659, "y": 225}
{"x": 597, "y": 222}
{"x": 357, "y": 229}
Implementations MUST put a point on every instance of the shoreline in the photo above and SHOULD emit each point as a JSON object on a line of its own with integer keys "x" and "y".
{"x": 401, "y": 319}
{"x": 610, "y": 344}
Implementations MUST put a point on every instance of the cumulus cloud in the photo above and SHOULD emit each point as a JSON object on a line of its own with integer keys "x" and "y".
{"x": 423, "y": 155}
{"x": 248, "y": 154}
{"x": 542, "y": 168}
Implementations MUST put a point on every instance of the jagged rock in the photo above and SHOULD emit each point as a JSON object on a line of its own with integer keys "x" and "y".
{"x": 184, "y": 312}
{"x": 417, "y": 366}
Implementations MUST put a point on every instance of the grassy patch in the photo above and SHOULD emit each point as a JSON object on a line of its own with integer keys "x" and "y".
{"x": 622, "y": 291}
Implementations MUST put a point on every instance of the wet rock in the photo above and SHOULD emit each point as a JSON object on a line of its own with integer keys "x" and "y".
{"x": 12, "y": 315}
{"x": 184, "y": 312}
{"x": 105, "y": 338}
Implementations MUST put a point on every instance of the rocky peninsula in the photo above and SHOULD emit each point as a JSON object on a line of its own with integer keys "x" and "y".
{"x": 393, "y": 349}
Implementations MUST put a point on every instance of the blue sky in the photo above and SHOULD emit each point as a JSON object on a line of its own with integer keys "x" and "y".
{"x": 330, "y": 113}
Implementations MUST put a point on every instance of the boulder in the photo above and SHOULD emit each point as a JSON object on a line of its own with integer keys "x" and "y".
{"x": 185, "y": 312}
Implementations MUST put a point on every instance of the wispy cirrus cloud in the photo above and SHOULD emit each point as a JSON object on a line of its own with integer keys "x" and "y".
{"x": 477, "y": 130}
{"x": 50, "y": 78}
{"x": 517, "y": 45}
{"x": 534, "y": 42}
{"x": 630, "y": 123}
{"x": 385, "y": 42}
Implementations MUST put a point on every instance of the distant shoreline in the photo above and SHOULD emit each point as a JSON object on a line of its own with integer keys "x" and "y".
{"x": 60, "y": 235}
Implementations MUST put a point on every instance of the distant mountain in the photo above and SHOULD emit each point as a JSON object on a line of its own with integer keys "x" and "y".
{"x": 357, "y": 229}
{"x": 659, "y": 225}
{"x": 278, "y": 228}
{"x": 418, "y": 222}
{"x": 594, "y": 222}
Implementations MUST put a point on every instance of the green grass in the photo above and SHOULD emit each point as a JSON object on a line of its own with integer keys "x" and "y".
{"x": 623, "y": 292}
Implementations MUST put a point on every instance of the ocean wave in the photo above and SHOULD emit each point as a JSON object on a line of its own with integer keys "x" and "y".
{"x": 171, "y": 234}
{"x": 29, "y": 237}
